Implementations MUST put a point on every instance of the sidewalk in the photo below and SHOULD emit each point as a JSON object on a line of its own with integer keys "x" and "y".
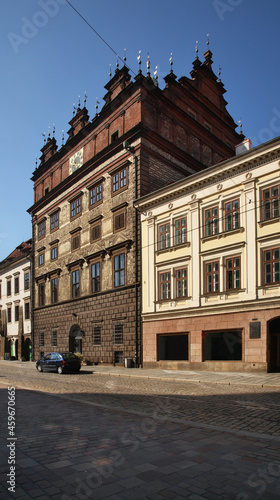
{"x": 271, "y": 380}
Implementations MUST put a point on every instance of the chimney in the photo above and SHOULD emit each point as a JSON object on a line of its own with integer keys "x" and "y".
{"x": 243, "y": 146}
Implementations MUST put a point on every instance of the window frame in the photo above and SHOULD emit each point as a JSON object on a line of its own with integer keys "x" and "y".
{"x": 9, "y": 314}
{"x": 96, "y": 335}
{"x": 119, "y": 272}
{"x": 9, "y": 288}
{"x": 54, "y": 338}
{"x": 182, "y": 233}
{"x": 54, "y": 221}
{"x": 41, "y": 258}
{"x": 41, "y": 229}
{"x": 97, "y": 278}
{"x": 26, "y": 281}
{"x": 54, "y": 248}
{"x": 16, "y": 311}
{"x": 164, "y": 236}
{"x": 229, "y": 215}
{"x": 270, "y": 262}
{"x": 75, "y": 284}
{"x": 232, "y": 272}
{"x": 180, "y": 280}
{"x": 164, "y": 285}
{"x": 212, "y": 273}
{"x": 54, "y": 289}
{"x": 41, "y": 293}
{"x": 16, "y": 285}
{"x": 75, "y": 240}
{"x": 93, "y": 228}
{"x": 119, "y": 180}
{"x": 208, "y": 222}
{"x": 94, "y": 188}
{"x": 75, "y": 207}
{"x": 119, "y": 215}
{"x": 27, "y": 310}
{"x": 41, "y": 339}
{"x": 270, "y": 200}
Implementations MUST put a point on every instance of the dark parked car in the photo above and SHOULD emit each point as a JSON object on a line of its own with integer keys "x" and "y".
{"x": 59, "y": 362}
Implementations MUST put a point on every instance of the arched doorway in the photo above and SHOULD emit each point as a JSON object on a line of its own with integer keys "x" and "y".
{"x": 76, "y": 339}
{"x": 274, "y": 345}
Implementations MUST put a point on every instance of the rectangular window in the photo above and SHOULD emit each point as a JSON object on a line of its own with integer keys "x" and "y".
{"x": 96, "y": 335}
{"x": 233, "y": 273}
{"x": 180, "y": 231}
{"x": 41, "y": 294}
{"x": 95, "y": 231}
{"x": 118, "y": 334}
{"x": 172, "y": 347}
{"x": 270, "y": 202}
{"x": 119, "y": 180}
{"x": 164, "y": 286}
{"x": 181, "y": 283}
{"x": 95, "y": 277}
{"x": 164, "y": 236}
{"x": 41, "y": 229}
{"x": 9, "y": 288}
{"x": 75, "y": 284}
{"x": 231, "y": 214}
{"x": 27, "y": 310}
{"x": 54, "y": 221}
{"x": 54, "y": 251}
{"x": 9, "y": 314}
{"x": 222, "y": 345}
{"x": 26, "y": 281}
{"x": 16, "y": 313}
{"x": 54, "y": 338}
{"x": 211, "y": 221}
{"x": 41, "y": 339}
{"x": 212, "y": 276}
{"x": 118, "y": 357}
{"x": 119, "y": 270}
{"x": 41, "y": 258}
{"x": 16, "y": 284}
{"x": 271, "y": 266}
{"x": 119, "y": 221}
{"x": 76, "y": 241}
{"x": 95, "y": 195}
{"x": 75, "y": 207}
{"x": 54, "y": 290}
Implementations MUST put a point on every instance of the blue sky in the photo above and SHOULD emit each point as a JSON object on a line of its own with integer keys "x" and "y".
{"x": 49, "y": 57}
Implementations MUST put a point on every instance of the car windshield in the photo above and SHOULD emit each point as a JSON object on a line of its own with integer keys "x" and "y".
{"x": 68, "y": 355}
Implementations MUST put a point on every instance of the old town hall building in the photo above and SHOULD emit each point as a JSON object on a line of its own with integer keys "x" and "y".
{"x": 86, "y": 231}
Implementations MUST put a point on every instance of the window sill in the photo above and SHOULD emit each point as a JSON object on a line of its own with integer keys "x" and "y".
{"x": 223, "y": 234}
{"x": 262, "y": 223}
{"x": 173, "y": 248}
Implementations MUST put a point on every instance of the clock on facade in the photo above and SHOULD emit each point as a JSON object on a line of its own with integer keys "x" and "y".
{"x": 76, "y": 161}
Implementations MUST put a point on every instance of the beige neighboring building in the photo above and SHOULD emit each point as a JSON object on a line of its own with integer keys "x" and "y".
{"x": 210, "y": 266}
{"x": 15, "y": 303}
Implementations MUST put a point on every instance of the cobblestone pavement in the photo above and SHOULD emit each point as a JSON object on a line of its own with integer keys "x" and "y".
{"x": 104, "y": 434}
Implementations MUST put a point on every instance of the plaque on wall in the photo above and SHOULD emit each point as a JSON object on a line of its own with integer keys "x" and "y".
{"x": 255, "y": 330}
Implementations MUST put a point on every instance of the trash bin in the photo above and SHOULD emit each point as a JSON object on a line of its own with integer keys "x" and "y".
{"x": 7, "y": 356}
{"x": 128, "y": 362}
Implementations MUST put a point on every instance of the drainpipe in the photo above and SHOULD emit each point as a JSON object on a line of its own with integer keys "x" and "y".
{"x": 130, "y": 149}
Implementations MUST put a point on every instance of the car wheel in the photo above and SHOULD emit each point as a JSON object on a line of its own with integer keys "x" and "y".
{"x": 39, "y": 368}
{"x": 59, "y": 370}
{"x": 77, "y": 371}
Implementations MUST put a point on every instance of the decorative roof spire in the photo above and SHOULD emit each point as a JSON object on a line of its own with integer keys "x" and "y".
{"x": 139, "y": 61}
{"x": 240, "y": 126}
{"x": 117, "y": 64}
{"x": 74, "y": 109}
{"x": 62, "y": 138}
{"x": 85, "y": 98}
{"x": 53, "y": 129}
{"x": 110, "y": 72}
{"x": 148, "y": 65}
{"x": 124, "y": 57}
{"x": 79, "y": 102}
{"x": 44, "y": 135}
{"x": 196, "y": 49}
{"x": 156, "y": 77}
{"x": 171, "y": 62}
{"x": 96, "y": 107}
{"x": 208, "y": 42}
{"x": 219, "y": 74}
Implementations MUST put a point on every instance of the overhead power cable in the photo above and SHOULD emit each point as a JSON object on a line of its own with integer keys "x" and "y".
{"x": 96, "y": 32}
